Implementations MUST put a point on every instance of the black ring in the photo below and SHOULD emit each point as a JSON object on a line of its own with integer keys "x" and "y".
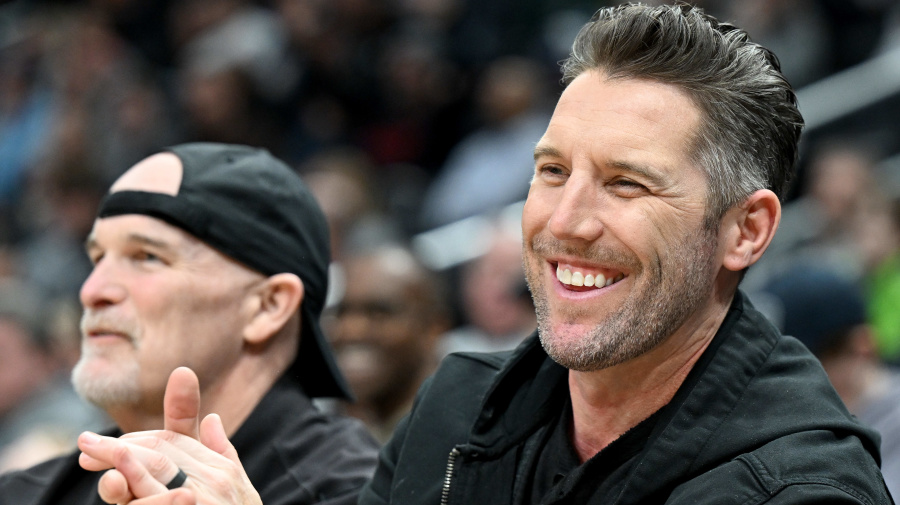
{"x": 178, "y": 480}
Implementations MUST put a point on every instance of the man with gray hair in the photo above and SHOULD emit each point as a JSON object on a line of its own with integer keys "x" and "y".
{"x": 212, "y": 257}
{"x": 651, "y": 377}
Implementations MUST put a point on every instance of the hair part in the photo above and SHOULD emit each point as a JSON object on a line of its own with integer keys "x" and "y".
{"x": 750, "y": 126}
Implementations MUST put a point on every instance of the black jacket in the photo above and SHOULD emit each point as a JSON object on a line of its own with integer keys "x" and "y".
{"x": 292, "y": 453}
{"x": 756, "y": 421}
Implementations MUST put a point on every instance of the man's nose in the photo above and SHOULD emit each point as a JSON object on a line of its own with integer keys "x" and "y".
{"x": 102, "y": 287}
{"x": 578, "y": 212}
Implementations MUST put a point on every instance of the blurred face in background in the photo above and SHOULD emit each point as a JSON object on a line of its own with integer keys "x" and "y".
{"x": 384, "y": 331}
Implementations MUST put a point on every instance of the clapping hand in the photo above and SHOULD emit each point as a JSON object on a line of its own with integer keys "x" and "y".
{"x": 187, "y": 463}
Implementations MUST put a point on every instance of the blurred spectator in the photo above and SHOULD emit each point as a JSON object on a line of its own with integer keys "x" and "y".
{"x": 796, "y": 31}
{"x": 385, "y": 332}
{"x": 53, "y": 256}
{"x": 344, "y": 183}
{"x": 827, "y": 313}
{"x": 822, "y": 225}
{"x": 418, "y": 106}
{"x": 235, "y": 69}
{"x": 496, "y": 306}
{"x": 40, "y": 414}
{"x": 493, "y": 166}
{"x": 880, "y": 235}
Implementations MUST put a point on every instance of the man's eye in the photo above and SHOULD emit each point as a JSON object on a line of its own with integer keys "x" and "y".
{"x": 627, "y": 187}
{"x": 550, "y": 172}
{"x": 146, "y": 256}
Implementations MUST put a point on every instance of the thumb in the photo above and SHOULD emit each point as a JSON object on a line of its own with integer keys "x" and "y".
{"x": 181, "y": 404}
{"x": 113, "y": 488}
{"x": 212, "y": 435}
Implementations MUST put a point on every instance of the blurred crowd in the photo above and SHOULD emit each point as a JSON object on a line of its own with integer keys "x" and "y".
{"x": 403, "y": 116}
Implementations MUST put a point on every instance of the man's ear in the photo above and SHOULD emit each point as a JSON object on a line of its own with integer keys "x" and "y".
{"x": 276, "y": 300}
{"x": 748, "y": 228}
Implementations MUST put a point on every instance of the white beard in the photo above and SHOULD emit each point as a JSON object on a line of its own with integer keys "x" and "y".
{"x": 105, "y": 390}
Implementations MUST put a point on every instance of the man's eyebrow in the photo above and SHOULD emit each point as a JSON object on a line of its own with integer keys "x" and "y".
{"x": 91, "y": 241}
{"x": 643, "y": 171}
{"x": 549, "y": 151}
{"x": 144, "y": 239}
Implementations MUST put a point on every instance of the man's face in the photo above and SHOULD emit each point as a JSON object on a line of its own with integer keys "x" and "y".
{"x": 157, "y": 298}
{"x": 382, "y": 334}
{"x": 616, "y": 256}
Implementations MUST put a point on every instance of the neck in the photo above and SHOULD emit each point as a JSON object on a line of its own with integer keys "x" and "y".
{"x": 607, "y": 403}
{"x": 232, "y": 396}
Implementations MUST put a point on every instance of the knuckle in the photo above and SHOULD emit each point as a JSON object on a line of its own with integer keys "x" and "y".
{"x": 157, "y": 465}
{"x": 220, "y": 482}
{"x": 120, "y": 454}
{"x": 155, "y": 443}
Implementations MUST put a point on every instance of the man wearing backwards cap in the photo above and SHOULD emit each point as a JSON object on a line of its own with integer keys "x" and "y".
{"x": 211, "y": 257}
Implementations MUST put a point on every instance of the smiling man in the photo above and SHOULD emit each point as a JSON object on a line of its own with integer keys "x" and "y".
{"x": 212, "y": 257}
{"x": 651, "y": 378}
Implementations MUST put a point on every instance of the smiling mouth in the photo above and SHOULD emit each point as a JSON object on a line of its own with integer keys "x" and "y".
{"x": 570, "y": 276}
{"x": 105, "y": 333}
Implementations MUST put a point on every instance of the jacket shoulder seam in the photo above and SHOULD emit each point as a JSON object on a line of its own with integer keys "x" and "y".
{"x": 773, "y": 485}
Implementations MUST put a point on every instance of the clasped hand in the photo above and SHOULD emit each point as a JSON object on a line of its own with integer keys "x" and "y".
{"x": 138, "y": 466}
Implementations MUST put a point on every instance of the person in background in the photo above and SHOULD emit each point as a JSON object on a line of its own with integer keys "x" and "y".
{"x": 497, "y": 311}
{"x": 827, "y": 312}
{"x": 40, "y": 414}
{"x": 489, "y": 168}
{"x": 212, "y": 257}
{"x": 385, "y": 331}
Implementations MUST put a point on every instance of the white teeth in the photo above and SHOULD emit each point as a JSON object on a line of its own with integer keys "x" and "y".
{"x": 576, "y": 278}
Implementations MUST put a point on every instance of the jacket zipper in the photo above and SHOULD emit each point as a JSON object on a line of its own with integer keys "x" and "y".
{"x": 451, "y": 463}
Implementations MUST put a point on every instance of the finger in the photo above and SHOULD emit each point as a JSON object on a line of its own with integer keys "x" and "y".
{"x": 212, "y": 435}
{"x": 90, "y": 442}
{"x": 181, "y": 404}
{"x": 181, "y": 496}
{"x": 145, "y": 470}
{"x": 113, "y": 488}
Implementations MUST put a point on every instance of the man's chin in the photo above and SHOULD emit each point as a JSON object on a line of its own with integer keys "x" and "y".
{"x": 104, "y": 387}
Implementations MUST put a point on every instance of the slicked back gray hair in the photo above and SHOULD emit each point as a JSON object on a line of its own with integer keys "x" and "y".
{"x": 751, "y": 125}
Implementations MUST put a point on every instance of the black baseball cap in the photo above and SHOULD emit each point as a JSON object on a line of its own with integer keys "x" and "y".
{"x": 253, "y": 208}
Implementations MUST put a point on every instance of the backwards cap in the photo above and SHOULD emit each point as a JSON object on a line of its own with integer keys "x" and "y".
{"x": 253, "y": 208}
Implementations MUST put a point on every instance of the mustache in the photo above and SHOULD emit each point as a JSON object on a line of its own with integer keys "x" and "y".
{"x": 548, "y": 246}
{"x": 93, "y": 321}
